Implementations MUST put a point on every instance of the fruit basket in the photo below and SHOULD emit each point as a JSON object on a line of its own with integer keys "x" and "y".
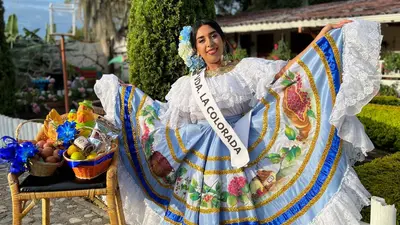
{"x": 91, "y": 168}
{"x": 84, "y": 139}
{"x": 89, "y": 158}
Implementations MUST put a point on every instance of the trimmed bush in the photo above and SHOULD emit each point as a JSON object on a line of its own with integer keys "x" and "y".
{"x": 386, "y": 100}
{"x": 381, "y": 178}
{"x": 382, "y": 124}
{"x": 7, "y": 75}
{"x": 391, "y": 61}
{"x": 153, "y": 40}
{"x": 387, "y": 90}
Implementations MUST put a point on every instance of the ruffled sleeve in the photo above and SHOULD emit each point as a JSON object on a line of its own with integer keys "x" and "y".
{"x": 361, "y": 81}
{"x": 259, "y": 73}
{"x": 176, "y": 111}
{"x": 106, "y": 90}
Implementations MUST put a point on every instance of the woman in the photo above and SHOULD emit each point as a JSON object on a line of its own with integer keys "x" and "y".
{"x": 260, "y": 142}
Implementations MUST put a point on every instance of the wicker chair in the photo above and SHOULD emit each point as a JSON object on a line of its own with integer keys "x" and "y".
{"x": 27, "y": 191}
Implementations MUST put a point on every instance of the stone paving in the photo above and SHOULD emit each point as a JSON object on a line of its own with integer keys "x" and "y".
{"x": 63, "y": 211}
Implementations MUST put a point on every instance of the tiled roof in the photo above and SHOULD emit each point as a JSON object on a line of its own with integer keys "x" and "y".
{"x": 353, "y": 8}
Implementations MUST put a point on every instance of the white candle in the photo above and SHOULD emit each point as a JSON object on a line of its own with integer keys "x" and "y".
{"x": 381, "y": 213}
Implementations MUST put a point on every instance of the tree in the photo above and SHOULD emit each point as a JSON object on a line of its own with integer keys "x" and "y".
{"x": 7, "y": 75}
{"x": 11, "y": 32}
{"x": 153, "y": 40}
{"x": 107, "y": 19}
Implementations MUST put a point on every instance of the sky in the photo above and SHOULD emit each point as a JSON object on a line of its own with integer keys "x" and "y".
{"x": 34, "y": 14}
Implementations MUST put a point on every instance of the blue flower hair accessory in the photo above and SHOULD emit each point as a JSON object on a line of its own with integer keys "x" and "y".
{"x": 186, "y": 51}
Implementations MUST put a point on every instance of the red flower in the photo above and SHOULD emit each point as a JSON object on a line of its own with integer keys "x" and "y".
{"x": 276, "y": 46}
{"x": 145, "y": 136}
{"x": 208, "y": 198}
{"x": 235, "y": 186}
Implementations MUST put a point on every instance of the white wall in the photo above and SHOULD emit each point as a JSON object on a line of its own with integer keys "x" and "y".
{"x": 82, "y": 54}
{"x": 121, "y": 49}
{"x": 8, "y": 126}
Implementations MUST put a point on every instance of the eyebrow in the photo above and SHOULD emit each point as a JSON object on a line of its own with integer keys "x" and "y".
{"x": 211, "y": 33}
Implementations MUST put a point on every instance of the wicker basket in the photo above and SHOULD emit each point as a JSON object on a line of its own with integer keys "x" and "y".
{"x": 91, "y": 168}
{"x": 43, "y": 169}
{"x": 36, "y": 167}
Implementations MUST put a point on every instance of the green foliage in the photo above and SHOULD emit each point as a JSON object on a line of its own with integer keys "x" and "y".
{"x": 388, "y": 90}
{"x": 290, "y": 133}
{"x": 392, "y": 61}
{"x": 237, "y": 55}
{"x": 381, "y": 178}
{"x": 382, "y": 124}
{"x": 7, "y": 75}
{"x": 31, "y": 34}
{"x": 281, "y": 51}
{"x": 50, "y": 38}
{"x": 33, "y": 57}
{"x": 154, "y": 28}
{"x": 11, "y": 32}
{"x": 291, "y": 154}
{"x": 386, "y": 100}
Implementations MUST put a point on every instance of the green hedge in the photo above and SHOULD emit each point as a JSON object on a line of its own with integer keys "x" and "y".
{"x": 386, "y": 100}
{"x": 382, "y": 124}
{"x": 153, "y": 40}
{"x": 381, "y": 178}
{"x": 387, "y": 90}
{"x": 7, "y": 74}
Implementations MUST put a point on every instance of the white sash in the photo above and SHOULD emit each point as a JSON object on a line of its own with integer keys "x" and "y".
{"x": 205, "y": 101}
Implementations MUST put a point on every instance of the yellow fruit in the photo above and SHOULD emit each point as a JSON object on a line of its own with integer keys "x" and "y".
{"x": 85, "y": 132}
{"x": 92, "y": 155}
{"x": 72, "y": 149}
{"x": 77, "y": 156}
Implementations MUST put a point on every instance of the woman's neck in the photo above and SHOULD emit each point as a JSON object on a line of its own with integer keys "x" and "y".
{"x": 214, "y": 66}
{"x": 224, "y": 67}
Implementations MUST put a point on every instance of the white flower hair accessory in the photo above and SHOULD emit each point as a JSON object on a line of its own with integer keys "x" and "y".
{"x": 186, "y": 51}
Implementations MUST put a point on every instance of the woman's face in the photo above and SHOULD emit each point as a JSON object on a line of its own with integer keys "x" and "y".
{"x": 209, "y": 45}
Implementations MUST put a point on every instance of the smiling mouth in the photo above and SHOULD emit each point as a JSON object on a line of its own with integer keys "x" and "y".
{"x": 212, "y": 51}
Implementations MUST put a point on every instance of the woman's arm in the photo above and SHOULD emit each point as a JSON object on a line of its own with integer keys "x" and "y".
{"x": 320, "y": 35}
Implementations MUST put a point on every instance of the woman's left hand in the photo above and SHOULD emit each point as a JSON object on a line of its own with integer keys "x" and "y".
{"x": 324, "y": 30}
{"x": 333, "y": 26}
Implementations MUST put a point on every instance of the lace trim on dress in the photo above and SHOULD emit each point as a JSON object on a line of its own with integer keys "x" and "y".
{"x": 345, "y": 205}
{"x": 361, "y": 81}
{"x": 259, "y": 73}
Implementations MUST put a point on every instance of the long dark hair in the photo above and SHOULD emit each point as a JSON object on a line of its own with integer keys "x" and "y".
{"x": 202, "y": 22}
